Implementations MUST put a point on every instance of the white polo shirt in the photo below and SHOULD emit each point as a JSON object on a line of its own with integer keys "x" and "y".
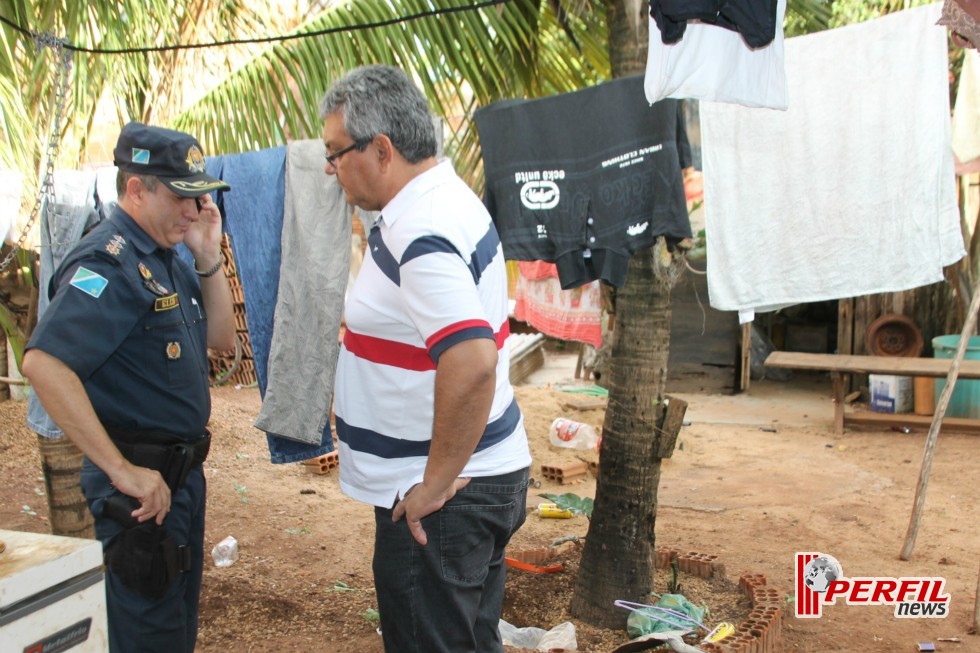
{"x": 434, "y": 276}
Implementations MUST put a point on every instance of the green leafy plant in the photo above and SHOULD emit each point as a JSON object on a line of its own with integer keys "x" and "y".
{"x": 569, "y": 501}
{"x": 673, "y": 586}
{"x": 341, "y": 586}
{"x": 242, "y": 492}
{"x": 297, "y": 531}
{"x": 372, "y": 617}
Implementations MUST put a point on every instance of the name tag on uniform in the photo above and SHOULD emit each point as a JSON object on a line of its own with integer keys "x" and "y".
{"x": 166, "y": 303}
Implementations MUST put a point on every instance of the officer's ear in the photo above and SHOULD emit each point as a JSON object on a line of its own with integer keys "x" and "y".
{"x": 135, "y": 188}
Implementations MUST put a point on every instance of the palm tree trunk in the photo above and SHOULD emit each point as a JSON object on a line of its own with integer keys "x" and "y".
{"x": 618, "y": 558}
{"x": 61, "y": 462}
{"x": 629, "y": 30}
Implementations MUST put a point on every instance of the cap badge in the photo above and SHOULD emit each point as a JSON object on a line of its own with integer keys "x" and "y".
{"x": 141, "y": 156}
{"x": 173, "y": 350}
{"x": 195, "y": 159}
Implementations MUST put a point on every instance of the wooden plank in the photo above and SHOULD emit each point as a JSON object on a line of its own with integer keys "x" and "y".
{"x": 935, "y": 367}
{"x": 867, "y": 418}
{"x": 845, "y": 332}
{"x": 845, "y": 326}
{"x": 673, "y": 420}
{"x": 746, "y": 357}
{"x": 838, "y": 389}
{"x": 528, "y": 360}
{"x": 573, "y": 401}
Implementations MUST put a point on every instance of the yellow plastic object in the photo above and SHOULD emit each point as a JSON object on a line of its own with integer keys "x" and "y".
{"x": 719, "y": 632}
{"x": 552, "y": 511}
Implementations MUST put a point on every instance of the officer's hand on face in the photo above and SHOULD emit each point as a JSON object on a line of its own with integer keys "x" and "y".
{"x": 204, "y": 236}
{"x": 149, "y": 488}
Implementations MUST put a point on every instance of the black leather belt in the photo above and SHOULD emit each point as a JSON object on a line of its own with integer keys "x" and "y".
{"x": 167, "y": 453}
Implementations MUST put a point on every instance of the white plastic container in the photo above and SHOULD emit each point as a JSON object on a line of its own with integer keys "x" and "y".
{"x": 570, "y": 434}
{"x": 52, "y": 594}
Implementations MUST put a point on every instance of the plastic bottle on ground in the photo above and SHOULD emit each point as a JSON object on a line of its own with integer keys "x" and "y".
{"x": 573, "y": 435}
{"x": 225, "y": 552}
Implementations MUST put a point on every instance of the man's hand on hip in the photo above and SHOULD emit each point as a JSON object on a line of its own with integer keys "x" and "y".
{"x": 421, "y": 501}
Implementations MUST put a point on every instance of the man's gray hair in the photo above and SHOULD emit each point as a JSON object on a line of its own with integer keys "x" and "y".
{"x": 149, "y": 181}
{"x": 383, "y": 100}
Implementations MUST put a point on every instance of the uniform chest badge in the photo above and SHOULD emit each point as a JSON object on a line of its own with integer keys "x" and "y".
{"x": 166, "y": 303}
{"x": 115, "y": 246}
{"x": 150, "y": 283}
{"x": 173, "y": 350}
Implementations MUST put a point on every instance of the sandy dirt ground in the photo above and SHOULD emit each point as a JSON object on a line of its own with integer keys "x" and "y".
{"x": 756, "y": 478}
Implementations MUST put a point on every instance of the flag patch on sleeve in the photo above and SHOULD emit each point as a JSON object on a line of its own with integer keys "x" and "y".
{"x": 89, "y": 282}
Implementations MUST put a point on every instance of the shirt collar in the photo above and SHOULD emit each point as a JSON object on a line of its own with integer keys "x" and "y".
{"x": 132, "y": 231}
{"x": 401, "y": 203}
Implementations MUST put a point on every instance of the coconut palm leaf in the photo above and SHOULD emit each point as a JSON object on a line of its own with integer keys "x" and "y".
{"x": 461, "y": 61}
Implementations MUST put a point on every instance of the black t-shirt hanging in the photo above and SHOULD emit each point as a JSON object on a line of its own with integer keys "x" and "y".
{"x": 755, "y": 20}
{"x": 584, "y": 179}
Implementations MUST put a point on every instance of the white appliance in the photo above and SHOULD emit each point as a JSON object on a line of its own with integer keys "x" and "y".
{"x": 52, "y": 594}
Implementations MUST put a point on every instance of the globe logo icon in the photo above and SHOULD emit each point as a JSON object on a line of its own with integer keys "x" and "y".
{"x": 820, "y": 571}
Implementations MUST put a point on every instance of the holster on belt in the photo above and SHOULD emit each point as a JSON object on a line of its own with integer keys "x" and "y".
{"x": 169, "y": 454}
{"x": 147, "y": 559}
{"x": 144, "y": 556}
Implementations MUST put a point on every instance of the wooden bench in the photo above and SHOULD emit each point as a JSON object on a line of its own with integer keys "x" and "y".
{"x": 840, "y": 365}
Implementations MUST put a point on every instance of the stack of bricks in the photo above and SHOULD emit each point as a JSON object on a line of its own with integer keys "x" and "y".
{"x": 221, "y": 362}
{"x": 572, "y": 472}
{"x": 760, "y": 631}
{"x": 322, "y": 464}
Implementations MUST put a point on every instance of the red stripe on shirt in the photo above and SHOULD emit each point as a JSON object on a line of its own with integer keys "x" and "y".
{"x": 388, "y": 352}
{"x": 453, "y": 328}
{"x": 498, "y": 336}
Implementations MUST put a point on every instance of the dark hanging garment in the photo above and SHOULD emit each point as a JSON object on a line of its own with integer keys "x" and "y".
{"x": 755, "y": 20}
{"x": 584, "y": 179}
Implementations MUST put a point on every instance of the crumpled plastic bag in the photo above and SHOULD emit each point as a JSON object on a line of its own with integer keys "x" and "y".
{"x": 559, "y": 638}
{"x": 656, "y": 621}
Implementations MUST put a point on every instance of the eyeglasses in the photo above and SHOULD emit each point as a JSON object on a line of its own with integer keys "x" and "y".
{"x": 356, "y": 145}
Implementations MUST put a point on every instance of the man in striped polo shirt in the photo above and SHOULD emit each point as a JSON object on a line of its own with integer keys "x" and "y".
{"x": 429, "y": 431}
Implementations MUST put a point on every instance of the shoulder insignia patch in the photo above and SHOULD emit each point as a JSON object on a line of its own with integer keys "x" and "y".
{"x": 166, "y": 303}
{"x": 115, "y": 246}
{"x": 90, "y": 283}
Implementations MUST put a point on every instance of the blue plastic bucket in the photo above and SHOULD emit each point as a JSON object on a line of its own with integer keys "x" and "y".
{"x": 965, "y": 401}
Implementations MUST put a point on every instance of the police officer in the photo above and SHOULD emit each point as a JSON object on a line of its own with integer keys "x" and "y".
{"x": 119, "y": 361}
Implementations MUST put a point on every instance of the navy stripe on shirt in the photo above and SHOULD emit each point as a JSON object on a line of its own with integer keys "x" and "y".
{"x": 384, "y": 446}
{"x": 457, "y": 337}
{"x": 383, "y": 257}
{"x": 482, "y": 256}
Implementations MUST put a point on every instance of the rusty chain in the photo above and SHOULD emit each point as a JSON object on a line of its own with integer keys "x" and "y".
{"x": 46, "y": 189}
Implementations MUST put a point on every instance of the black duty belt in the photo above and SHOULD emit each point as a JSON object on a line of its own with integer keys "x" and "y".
{"x": 167, "y": 453}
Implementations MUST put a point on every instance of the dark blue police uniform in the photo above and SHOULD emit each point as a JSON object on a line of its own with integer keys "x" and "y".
{"x": 126, "y": 316}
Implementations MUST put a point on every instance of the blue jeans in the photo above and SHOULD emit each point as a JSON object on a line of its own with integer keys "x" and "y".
{"x": 138, "y": 624}
{"x": 447, "y": 596}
